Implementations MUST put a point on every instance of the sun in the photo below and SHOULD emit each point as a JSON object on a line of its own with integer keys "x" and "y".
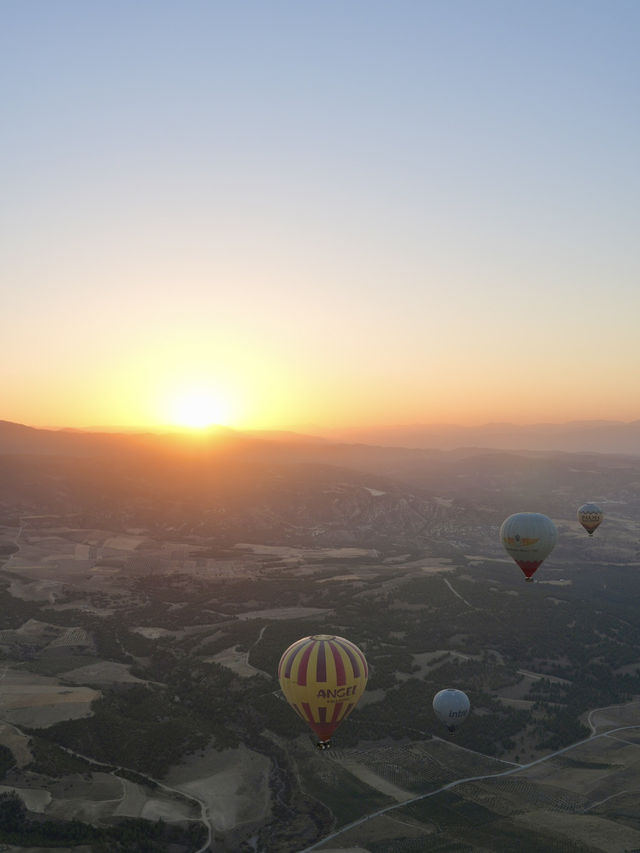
{"x": 199, "y": 408}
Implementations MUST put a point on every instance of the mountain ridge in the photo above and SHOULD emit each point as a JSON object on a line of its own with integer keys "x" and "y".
{"x": 599, "y": 436}
{"x": 596, "y": 436}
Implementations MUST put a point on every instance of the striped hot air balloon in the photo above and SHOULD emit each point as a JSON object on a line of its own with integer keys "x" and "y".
{"x": 322, "y": 678}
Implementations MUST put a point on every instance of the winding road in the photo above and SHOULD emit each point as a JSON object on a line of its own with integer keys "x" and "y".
{"x": 456, "y": 593}
{"x": 450, "y": 785}
{"x": 204, "y": 814}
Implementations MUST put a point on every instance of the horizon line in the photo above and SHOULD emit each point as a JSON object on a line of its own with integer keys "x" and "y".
{"x": 311, "y": 429}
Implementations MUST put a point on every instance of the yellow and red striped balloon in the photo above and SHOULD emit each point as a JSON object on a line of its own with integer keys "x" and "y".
{"x": 322, "y": 678}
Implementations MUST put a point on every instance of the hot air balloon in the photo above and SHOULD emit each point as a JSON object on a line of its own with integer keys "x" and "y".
{"x": 590, "y": 515}
{"x": 528, "y": 537}
{"x": 451, "y": 707}
{"x": 322, "y": 678}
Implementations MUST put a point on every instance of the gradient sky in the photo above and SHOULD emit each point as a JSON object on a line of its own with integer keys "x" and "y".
{"x": 321, "y": 212}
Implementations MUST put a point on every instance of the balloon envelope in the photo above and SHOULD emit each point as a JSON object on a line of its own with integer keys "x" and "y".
{"x": 451, "y": 707}
{"x": 528, "y": 537}
{"x": 590, "y": 515}
{"x": 322, "y": 678}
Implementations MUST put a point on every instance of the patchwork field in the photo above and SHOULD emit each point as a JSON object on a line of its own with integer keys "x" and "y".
{"x": 583, "y": 797}
{"x": 98, "y": 797}
{"x": 87, "y": 608}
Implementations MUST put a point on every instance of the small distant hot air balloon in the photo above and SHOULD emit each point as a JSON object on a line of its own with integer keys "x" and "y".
{"x": 322, "y": 678}
{"x": 451, "y": 707}
{"x": 528, "y": 537}
{"x": 590, "y": 515}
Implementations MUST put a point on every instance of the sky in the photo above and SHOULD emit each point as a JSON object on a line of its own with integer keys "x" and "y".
{"x": 319, "y": 213}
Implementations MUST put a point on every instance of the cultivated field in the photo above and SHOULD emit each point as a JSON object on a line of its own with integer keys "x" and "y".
{"x": 233, "y": 784}
{"x": 37, "y": 701}
{"x": 237, "y": 662}
{"x": 583, "y": 795}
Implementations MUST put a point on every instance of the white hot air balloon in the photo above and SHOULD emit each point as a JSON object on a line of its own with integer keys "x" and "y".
{"x": 451, "y": 707}
{"x": 528, "y": 537}
{"x": 590, "y": 515}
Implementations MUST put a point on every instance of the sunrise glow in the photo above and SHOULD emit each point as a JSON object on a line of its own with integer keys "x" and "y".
{"x": 198, "y": 409}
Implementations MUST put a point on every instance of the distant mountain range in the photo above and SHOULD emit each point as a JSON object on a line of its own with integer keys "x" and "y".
{"x": 21, "y": 439}
{"x": 598, "y": 436}
{"x": 574, "y": 436}
{"x": 227, "y": 487}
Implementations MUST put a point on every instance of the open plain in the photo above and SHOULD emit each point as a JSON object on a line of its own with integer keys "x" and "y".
{"x": 140, "y": 638}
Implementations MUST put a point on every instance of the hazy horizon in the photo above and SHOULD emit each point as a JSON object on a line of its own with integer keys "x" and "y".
{"x": 600, "y": 437}
{"x": 324, "y": 430}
